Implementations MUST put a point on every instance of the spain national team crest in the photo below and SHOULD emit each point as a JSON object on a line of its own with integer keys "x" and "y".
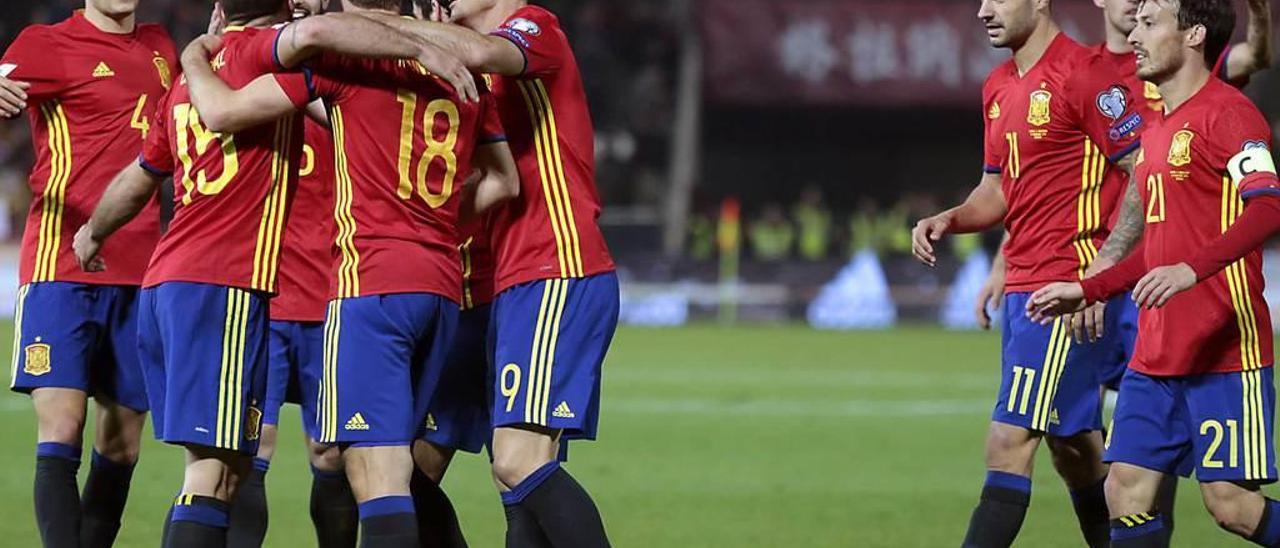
{"x": 1038, "y": 111}
{"x": 1151, "y": 92}
{"x": 162, "y": 68}
{"x": 252, "y": 423}
{"x": 1180, "y": 148}
{"x": 37, "y": 362}
{"x": 993, "y": 112}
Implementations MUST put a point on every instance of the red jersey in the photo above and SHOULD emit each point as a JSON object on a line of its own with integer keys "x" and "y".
{"x": 398, "y": 177}
{"x": 307, "y": 254}
{"x": 1050, "y": 133}
{"x": 90, "y": 103}
{"x": 1147, "y": 102}
{"x": 231, "y": 192}
{"x": 477, "y": 264}
{"x": 551, "y": 230}
{"x": 1198, "y": 163}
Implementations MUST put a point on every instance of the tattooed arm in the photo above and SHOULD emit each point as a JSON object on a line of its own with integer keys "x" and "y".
{"x": 1129, "y": 226}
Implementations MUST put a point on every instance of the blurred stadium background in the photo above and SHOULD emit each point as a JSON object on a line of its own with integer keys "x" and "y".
{"x": 789, "y": 376}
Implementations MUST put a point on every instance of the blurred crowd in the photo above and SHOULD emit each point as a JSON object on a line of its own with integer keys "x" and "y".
{"x": 809, "y": 229}
{"x": 626, "y": 50}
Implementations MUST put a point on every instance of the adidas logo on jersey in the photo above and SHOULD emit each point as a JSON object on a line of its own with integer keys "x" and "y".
{"x": 357, "y": 423}
{"x": 562, "y": 411}
{"x": 102, "y": 70}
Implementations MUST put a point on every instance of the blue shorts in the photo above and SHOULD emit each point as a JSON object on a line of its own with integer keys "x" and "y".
{"x": 80, "y": 336}
{"x": 459, "y": 413}
{"x": 1125, "y": 324}
{"x": 204, "y": 352}
{"x": 383, "y": 355}
{"x": 1218, "y": 424}
{"x": 296, "y": 363}
{"x": 550, "y": 339}
{"x": 1049, "y": 383}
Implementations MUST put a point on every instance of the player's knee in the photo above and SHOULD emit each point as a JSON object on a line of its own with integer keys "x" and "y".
{"x": 1228, "y": 504}
{"x": 66, "y": 430}
{"x": 119, "y": 450}
{"x": 512, "y": 468}
{"x": 1009, "y": 448}
{"x": 432, "y": 460}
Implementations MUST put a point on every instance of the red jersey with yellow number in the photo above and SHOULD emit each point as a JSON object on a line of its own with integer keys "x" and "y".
{"x": 89, "y": 106}
{"x": 551, "y": 229}
{"x": 1050, "y": 133}
{"x": 231, "y": 192}
{"x": 403, "y": 143}
{"x": 1147, "y": 102}
{"x": 477, "y": 264}
{"x": 1198, "y": 164}
{"x": 307, "y": 254}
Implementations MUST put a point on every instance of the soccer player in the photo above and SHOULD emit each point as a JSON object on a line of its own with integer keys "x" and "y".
{"x": 203, "y": 324}
{"x": 296, "y": 349}
{"x": 1048, "y": 142}
{"x": 91, "y": 83}
{"x": 557, "y": 295}
{"x": 398, "y": 281}
{"x": 1199, "y": 391}
{"x": 458, "y": 419}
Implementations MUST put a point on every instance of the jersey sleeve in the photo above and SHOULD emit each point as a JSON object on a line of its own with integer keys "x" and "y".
{"x": 538, "y": 35}
{"x": 1221, "y": 71}
{"x": 32, "y": 58}
{"x": 263, "y": 58}
{"x": 157, "y": 154}
{"x": 1241, "y": 141}
{"x": 326, "y": 69}
{"x": 1105, "y": 112}
{"x": 992, "y": 154}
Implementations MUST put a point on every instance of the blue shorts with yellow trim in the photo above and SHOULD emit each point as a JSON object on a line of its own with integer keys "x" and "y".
{"x": 204, "y": 352}
{"x": 550, "y": 339}
{"x": 79, "y": 336}
{"x": 1125, "y": 323}
{"x": 296, "y": 363}
{"x": 1049, "y": 383}
{"x": 459, "y": 413}
{"x": 383, "y": 356}
{"x": 1217, "y": 424}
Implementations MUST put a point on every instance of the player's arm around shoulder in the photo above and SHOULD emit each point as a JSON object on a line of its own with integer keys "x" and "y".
{"x": 478, "y": 52}
{"x": 222, "y": 109}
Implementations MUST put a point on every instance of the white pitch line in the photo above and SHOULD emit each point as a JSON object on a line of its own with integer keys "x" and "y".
{"x": 796, "y": 408}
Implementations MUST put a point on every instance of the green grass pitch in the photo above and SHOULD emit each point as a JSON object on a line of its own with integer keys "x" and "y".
{"x": 760, "y": 436}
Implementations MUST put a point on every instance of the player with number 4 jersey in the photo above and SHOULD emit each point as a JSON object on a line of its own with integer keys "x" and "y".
{"x": 92, "y": 82}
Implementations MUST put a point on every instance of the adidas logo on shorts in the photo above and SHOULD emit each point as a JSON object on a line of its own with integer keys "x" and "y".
{"x": 357, "y": 423}
{"x": 562, "y": 411}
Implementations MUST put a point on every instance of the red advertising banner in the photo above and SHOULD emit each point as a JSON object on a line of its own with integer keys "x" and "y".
{"x": 868, "y": 53}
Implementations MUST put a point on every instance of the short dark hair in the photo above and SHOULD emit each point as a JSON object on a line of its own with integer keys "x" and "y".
{"x": 390, "y": 5}
{"x": 1218, "y": 17}
{"x": 246, "y": 10}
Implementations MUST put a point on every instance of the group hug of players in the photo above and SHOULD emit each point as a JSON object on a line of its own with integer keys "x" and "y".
{"x": 418, "y": 264}
{"x": 1137, "y": 187}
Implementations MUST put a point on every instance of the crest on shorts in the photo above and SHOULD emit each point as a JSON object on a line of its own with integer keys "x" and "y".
{"x": 1180, "y": 148}
{"x": 1038, "y": 110}
{"x": 162, "y": 68}
{"x": 252, "y": 423}
{"x": 37, "y": 362}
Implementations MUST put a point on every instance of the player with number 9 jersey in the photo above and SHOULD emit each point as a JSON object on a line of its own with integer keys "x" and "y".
{"x": 397, "y": 277}
{"x": 204, "y": 327}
